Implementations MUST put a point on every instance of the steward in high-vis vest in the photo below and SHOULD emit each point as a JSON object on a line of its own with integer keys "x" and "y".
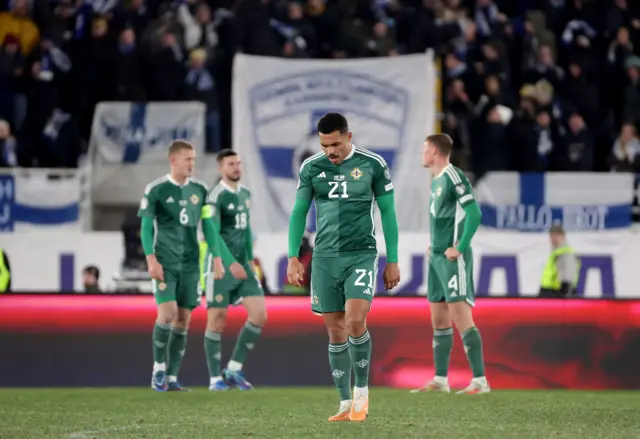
{"x": 5, "y": 273}
{"x": 560, "y": 274}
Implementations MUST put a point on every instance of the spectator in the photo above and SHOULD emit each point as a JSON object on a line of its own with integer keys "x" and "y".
{"x": 325, "y": 20}
{"x": 90, "y": 279}
{"x": 576, "y": 152}
{"x": 7, "y": 146}
{"x": 625, "y": 156}
{"x": 200, "y": 86}
{"x": 632, "y": 92}
{"x": 12, "y": 90}
{"x": 17, "y": 22}
{"x": 253, "y": 32}
{"x": 168, "y": 70}
{"x": 523, "y": 135}
{"x": 127, "y": 84}
{"x": 545, "y": 68}
{"x": 459, "y": 111}
{"x": 199, "y": 31}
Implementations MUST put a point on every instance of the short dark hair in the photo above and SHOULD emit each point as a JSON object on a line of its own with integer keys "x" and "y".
{"x": 93, "y": 270}
{"x": 223, "y": 154}
{"x": 442, "y": 142}
{"x": 331, "y": 122}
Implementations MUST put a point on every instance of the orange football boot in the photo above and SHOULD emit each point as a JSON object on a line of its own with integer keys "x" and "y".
{"x": 359, "y": 409}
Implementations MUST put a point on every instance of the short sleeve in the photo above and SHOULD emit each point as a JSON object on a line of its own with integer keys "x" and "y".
{"x": 148, "y": 204}
{"x": 305, "y": 188}
{"x": 382, "y": 184}
{"x": 461, "y": 188}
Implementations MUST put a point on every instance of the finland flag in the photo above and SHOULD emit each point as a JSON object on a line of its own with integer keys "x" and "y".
{"x": 532, "y": 202}
{"x": 31, "y": 200}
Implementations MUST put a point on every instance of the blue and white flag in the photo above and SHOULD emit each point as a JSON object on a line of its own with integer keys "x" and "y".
{"x": 31, "y": 200}
{"x": 129, "y": 132}
{"x": 389, "y": 103}
{"x": 577, "y": 201}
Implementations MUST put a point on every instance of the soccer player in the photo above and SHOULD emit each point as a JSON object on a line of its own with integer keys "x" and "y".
{"x": 455, "y": 217}
{"x": 346, "y": 182}
{"x": 176, "y": 204}
{"x": 230, "y": 205}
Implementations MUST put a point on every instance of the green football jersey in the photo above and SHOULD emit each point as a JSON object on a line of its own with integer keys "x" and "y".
{"x": 450, "y": 193}
{"x": 230, "y": 210}
{"x": 176, "y": 211}
{"x": 345, "y": 197}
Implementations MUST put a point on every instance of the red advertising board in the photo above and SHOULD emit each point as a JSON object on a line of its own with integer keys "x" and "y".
{"x": 528, "y": 343}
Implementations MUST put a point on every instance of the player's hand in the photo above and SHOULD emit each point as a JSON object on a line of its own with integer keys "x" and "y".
{"x": 238, "y": 271}
{"x": 218, "y": 268}
{"x": 452, "y": 253}
{"x": 391, "y": 275}
{"x": 154, "y": 268}
{"x": 295, "y": 272}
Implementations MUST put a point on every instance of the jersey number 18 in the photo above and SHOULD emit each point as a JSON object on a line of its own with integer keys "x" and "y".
{"x": 241, "y": 221}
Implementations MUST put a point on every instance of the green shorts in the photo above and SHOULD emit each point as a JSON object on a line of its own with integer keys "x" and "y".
{"x": 229, "y": 290}
{"x": 334, "y": 280}
{"x": 178, "y": 286}
{"x": 451, "y": 281}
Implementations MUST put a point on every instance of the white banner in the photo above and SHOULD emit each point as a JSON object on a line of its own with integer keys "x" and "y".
{"x": 130, "y": 132}
{"x": 506, "y": 263}
{"x": 37, "y": 199}
{"x": 534, "y": 202}
{"x": 390, "y": 105}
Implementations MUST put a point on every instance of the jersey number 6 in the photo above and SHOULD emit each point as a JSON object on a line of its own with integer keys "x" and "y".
{"x": 184, "y": 218}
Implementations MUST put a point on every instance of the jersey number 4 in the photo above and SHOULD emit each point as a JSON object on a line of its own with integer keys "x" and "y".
{"x": 338, "y": 189}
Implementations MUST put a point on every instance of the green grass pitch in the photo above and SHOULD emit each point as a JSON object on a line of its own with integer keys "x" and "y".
{"x": 302, "y": 413}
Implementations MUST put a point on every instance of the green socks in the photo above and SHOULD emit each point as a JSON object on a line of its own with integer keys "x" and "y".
{"x": 442, "y": 344}
{"x": 212, "y": 350}
{"x": 360, "y": 350}
{"x": 247, "y": 339}
{"x": 177, "y": 346}
{"x": 340, "y": 363}
{"x": 160, "y": 339}
{"x": 473, "y": 348}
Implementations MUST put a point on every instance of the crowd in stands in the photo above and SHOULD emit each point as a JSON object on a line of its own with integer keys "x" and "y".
{"x": 529, "y": 85}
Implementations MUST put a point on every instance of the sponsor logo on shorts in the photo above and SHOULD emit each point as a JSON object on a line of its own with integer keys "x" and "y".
{"x": 316, "y": 300}
{"x": 162, "y": 286}
{"x": 218, "y": 298}
{"x": 195, "y": 199}
{"x": 367, "y": 292}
